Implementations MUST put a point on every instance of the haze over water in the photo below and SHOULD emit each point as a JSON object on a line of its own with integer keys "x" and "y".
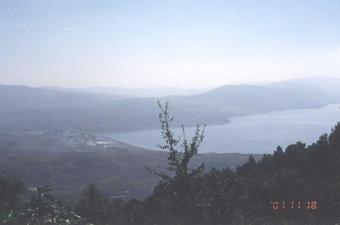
{"x": 260, "y": 133}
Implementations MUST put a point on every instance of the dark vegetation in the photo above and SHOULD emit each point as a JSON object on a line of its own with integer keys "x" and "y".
{"x": 42, "y": 208}
{"x": 118, "y": 171}
{"x": 198, "y": 195}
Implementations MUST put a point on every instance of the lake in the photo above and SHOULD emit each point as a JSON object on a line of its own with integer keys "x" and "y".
{"x": 260, "y": 133}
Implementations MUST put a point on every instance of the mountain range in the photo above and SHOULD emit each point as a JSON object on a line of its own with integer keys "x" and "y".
{"x": 27, "y": 108}
{"x": 43, "y": 131}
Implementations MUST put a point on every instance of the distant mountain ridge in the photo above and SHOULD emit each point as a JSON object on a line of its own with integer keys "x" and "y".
{"x": 256, "y": 99}
{"x": 328, "y": 85}
{"x": 27, "y": 98}
{"x": 134, "y": 92}
{"x": 23, "y": 108}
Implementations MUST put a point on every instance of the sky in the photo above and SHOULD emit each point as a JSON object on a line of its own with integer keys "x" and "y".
{"x": 163, "y": 43}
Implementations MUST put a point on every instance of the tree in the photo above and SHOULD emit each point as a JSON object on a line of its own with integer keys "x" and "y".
{"x": 42, "y": 209}
{"x": 174, "y": 199}
{"x": 10, "y": 193}
{"x": 178, "y": 159}
{"x": 93, "y": 206}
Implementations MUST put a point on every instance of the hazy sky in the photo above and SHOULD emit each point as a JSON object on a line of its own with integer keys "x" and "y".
{"x": 182, "y": 43}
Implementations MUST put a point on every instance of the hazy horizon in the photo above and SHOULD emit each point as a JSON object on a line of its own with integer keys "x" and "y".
{"x": 191, "y": 44}
{"x": 169, "y": 87}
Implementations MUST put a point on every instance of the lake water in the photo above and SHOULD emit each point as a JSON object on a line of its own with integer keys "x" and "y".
{"x": 260, "y": 133}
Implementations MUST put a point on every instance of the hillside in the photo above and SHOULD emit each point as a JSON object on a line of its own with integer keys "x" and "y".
{"x": 25, "y": 108}
{"x": 68, "y": 166}
{"x": 328, "y": 85}
{"x": 250, "y": 99}
{"x": 295, "y": 186}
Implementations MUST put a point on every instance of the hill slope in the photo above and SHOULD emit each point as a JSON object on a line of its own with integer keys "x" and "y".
{"x": 24, "y": 108}
{"x": 68, "y": 163}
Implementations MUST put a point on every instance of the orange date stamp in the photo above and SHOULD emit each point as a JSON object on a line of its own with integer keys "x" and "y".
{"x": 283, "y": 205}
